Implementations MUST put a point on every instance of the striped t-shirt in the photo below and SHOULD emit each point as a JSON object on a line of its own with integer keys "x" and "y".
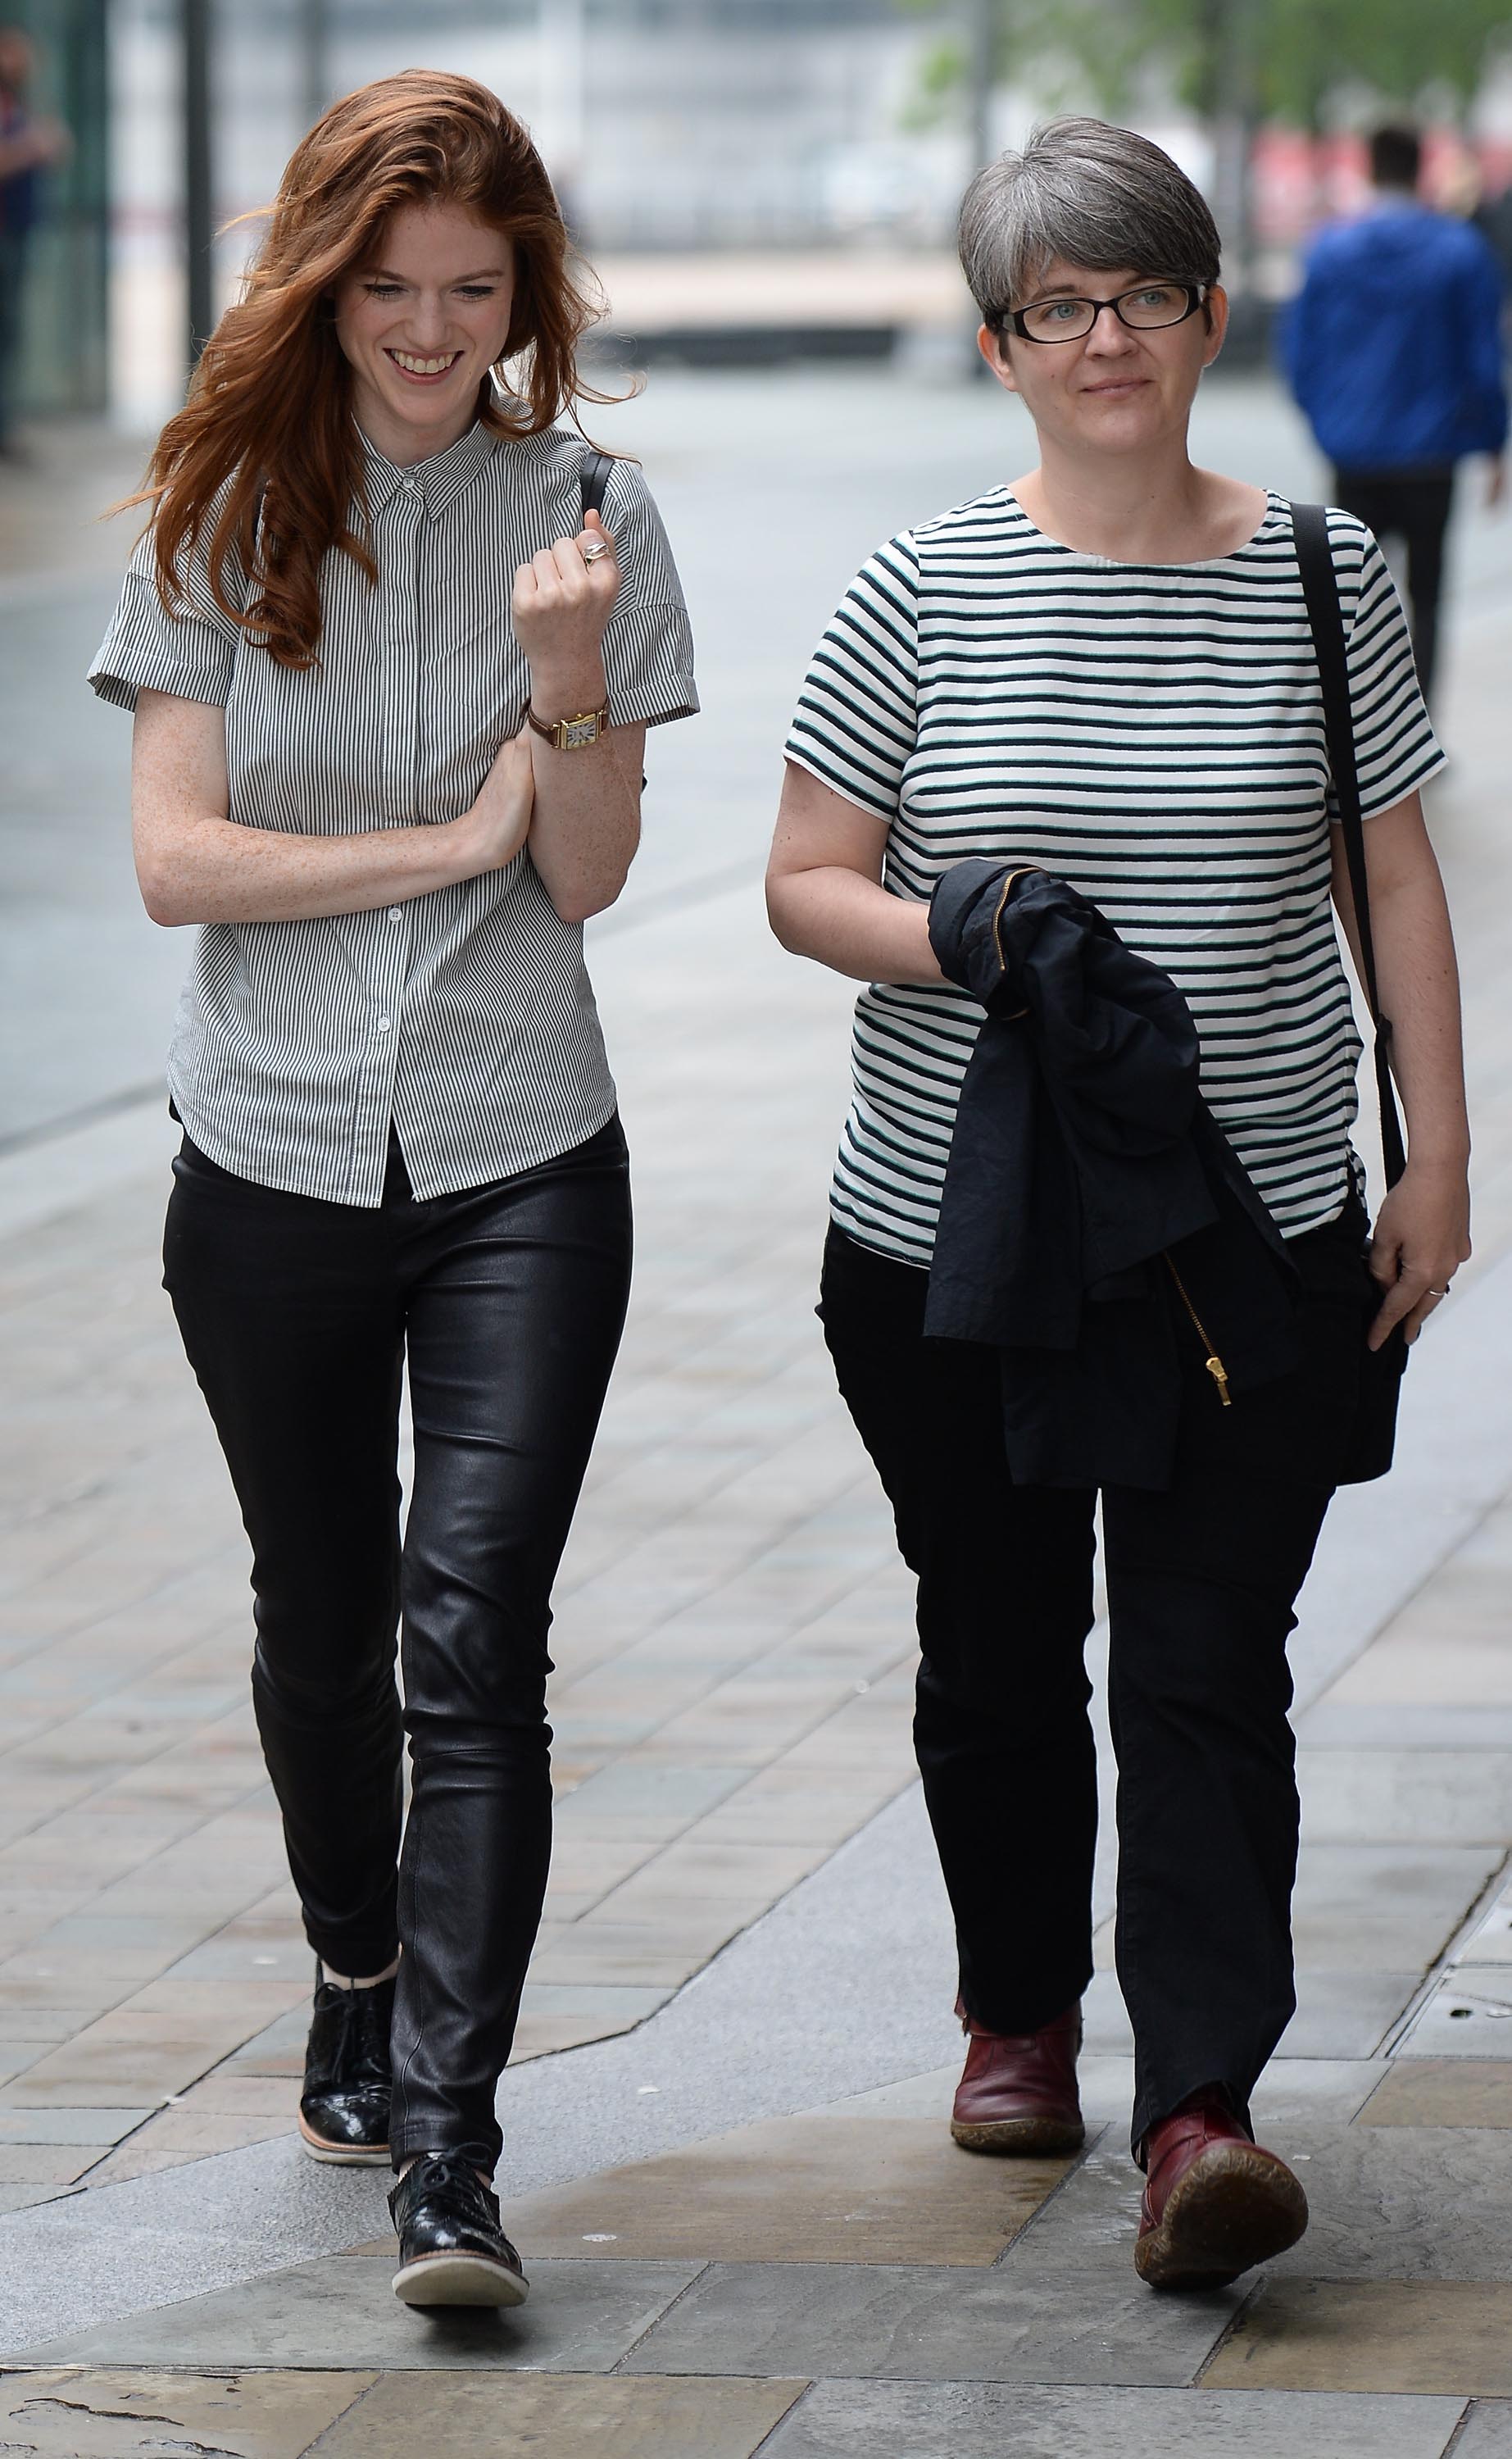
{"x": 1152, "y": 733}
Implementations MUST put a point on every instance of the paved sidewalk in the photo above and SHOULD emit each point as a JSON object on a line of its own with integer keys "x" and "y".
{"x": 744, "y": 2222}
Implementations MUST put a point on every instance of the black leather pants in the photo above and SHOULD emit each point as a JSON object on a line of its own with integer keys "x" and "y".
{"x": 297, "y": 1316}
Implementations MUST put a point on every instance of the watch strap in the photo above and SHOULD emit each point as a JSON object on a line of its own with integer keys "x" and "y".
{"x": 570, "y": 734}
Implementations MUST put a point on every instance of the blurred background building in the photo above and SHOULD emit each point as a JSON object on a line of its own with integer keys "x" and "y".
{"x": 754, "y": 178}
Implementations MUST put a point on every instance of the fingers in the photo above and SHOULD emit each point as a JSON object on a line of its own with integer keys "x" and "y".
{"x": 1394, "y": 1306}
{"x": 1410, "y": 1299}
{"x": 559, "y": 577}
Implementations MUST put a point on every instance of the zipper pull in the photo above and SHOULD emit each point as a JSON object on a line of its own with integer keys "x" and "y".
{"x": 1220, "y": 1375}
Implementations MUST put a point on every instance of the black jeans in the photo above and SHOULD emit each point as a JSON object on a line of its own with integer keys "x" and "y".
{"x": 1413, "y": 505}
{"x": 297, "y": 1316}
{"x": 1200, "y": 1582}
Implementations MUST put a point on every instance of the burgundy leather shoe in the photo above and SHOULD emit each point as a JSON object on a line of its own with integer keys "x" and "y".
{"x": 1018, "y": 2092}
{"x": 1215, "y": 2203}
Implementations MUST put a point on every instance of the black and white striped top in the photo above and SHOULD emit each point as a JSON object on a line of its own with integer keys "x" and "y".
{"x": 1154, "y": 735}
{"x": 466, "y": 1016}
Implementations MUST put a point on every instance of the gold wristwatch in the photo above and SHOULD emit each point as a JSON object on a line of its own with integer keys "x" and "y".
{"x": 571, "y": 733}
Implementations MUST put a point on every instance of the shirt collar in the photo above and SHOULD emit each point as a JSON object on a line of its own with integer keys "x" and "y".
{"x": 438, "y": 480}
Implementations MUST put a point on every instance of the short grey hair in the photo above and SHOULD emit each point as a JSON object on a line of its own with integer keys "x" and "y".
{"x": 1093, "y": 194}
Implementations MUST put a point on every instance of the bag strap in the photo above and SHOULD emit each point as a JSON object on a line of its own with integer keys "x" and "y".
{"x": 1320, "y": 590}
{"x": 594, "y": 477}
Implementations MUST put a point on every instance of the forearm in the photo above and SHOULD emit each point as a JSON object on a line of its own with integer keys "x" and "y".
{"x": 586, "y": 821}
{"x": 212, "y": 869}
{"x": 853, "y": 925}
{"x": 1419, "y": 991}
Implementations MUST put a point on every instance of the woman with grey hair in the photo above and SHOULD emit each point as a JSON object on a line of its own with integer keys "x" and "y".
{"x": 1105, "y": 672}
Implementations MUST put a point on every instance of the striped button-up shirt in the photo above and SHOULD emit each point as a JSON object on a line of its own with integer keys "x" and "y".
{"x": 465, "y": 1016}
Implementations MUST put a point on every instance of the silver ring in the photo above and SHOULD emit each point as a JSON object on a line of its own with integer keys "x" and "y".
{"x": 592, "y": 552}
{"x": 1439, "y": 1294}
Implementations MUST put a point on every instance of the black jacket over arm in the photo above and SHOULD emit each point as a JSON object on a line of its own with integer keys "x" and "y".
{"x": 1085, "y": 1173}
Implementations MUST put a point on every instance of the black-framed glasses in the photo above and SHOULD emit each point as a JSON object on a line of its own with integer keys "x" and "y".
{"x": 1148, "y": 309}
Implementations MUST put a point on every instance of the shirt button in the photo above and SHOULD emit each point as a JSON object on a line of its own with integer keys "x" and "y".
{"x": 396, "y": 912}
{"x": 383, "y": 1024}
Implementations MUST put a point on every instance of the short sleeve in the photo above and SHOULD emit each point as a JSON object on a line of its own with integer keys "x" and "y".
{"x": 1394, "y": 744}
{"x": 857, "y": 713}
{"x": 648, "y": 640}
{"x": 191, "y": 652}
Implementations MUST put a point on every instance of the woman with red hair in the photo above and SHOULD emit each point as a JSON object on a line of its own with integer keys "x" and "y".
{"x": 391, "y": 686}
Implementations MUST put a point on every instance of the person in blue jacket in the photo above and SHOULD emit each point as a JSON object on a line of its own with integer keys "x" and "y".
{"x": 1393, "y": 351}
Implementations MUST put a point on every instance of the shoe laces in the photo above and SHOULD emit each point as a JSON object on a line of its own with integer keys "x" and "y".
{"x": 360, "y": 2050}
{"x": 453, "y": 2175}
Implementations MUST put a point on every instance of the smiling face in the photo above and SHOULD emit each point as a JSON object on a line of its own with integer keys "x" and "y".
{"x": 422, "y": 324}
{"x": 1112, "y": 390}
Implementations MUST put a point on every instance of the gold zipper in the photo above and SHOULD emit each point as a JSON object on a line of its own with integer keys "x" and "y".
{"x": 1214, "y": 1362}
{"x": 1003, "y": 961}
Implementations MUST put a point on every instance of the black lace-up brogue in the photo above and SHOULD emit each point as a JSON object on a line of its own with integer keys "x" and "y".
{"x": 451, "y": 2249}
{"x": 348, "y": 2079}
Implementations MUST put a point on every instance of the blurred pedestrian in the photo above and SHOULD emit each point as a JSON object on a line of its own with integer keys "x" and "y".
{"x": 389, "y": 790}
{"x": 1089, "y": 699}
{"x": 30, "y": 142}
{"x": 1394, "y": 347}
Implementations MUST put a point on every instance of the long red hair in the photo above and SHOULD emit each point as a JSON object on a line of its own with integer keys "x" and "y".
{"x": 263, "y": 461}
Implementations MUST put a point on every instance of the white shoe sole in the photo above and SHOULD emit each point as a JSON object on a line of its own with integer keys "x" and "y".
{"x": 459, "y": 2280}
{"x": 343, "y": 2155}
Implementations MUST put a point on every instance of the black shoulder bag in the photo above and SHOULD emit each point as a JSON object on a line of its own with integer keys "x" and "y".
{"x": 1381, "y": 1369}
{"x": 593, "y": 477}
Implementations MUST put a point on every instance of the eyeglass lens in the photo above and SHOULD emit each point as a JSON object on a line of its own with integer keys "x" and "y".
{"x": 1145, "y": 309}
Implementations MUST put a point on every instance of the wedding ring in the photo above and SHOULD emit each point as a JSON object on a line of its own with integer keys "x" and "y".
{"x": 594, "y": 549}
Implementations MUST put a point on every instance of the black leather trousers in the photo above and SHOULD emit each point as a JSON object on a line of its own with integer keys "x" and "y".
{"x": 297, "y": 1316}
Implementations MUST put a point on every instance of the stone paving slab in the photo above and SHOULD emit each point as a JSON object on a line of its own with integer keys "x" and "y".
{"x": 1428, "y": 1796}
{"x": 1490, "y": 1940}
{"x": 852, "y": 2190}
{"x": 1397, "y": 2202}
{"x": 133, "y": 2415}
{"x": 1453, "y": 2335}
{"x": 852, "y": 2420}
{"x": 1017, "y": 2322}
{"x": 1403, "y": 2203}
{"x": 560, "y": 2416}
{"x": 1487, "y": 2432}
{"x": 582, "y": 2318}
{"x": 1441, "y": 2092}
{"x": 1468, "y": 2014}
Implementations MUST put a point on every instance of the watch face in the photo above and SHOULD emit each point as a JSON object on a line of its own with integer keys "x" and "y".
{"x": 578, "y": 730}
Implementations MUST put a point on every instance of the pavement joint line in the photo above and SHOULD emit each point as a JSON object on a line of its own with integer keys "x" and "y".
{"x": 657, "y": 2320}
{"x": 1245, "y": 2306}
{"x": 1491, "y": 1894}
{"x": 1091, "y": 2142}
{"x": 770, "y": 2435}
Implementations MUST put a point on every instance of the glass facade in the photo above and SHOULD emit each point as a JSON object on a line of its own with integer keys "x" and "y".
{"x": 65, "y": 353}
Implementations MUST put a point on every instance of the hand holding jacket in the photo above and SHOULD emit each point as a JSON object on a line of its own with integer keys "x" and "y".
{"x": 1082, "y": 1155}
